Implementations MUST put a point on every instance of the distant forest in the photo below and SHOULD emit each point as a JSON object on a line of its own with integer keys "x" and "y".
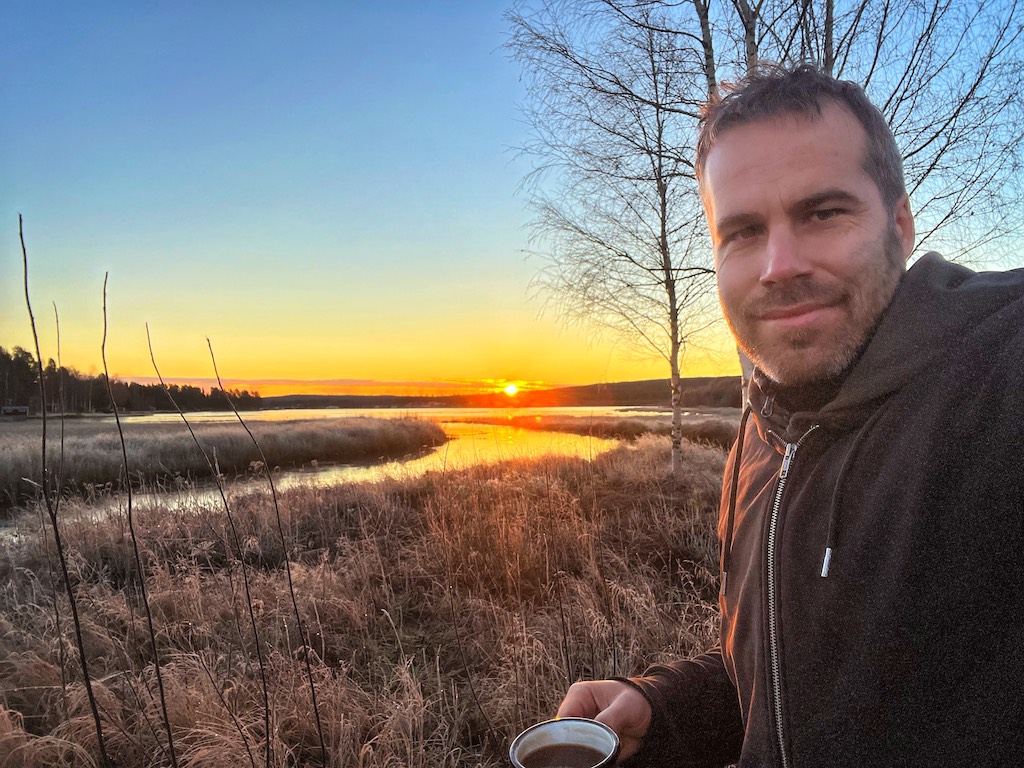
{"x": 69, "y": 391}
{"x": 713, "y": 391}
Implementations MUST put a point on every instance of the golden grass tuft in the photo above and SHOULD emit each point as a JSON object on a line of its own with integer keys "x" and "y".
{"x": 711, "y": 426}
{"x": 165, "y": 454}
{"x": 19, "y": 749}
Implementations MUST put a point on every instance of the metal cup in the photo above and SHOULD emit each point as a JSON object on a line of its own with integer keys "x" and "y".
{"x": 529, "y": 747}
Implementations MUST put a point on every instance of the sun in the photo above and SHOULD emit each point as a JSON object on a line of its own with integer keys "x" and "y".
{"x": 511, "y": 390}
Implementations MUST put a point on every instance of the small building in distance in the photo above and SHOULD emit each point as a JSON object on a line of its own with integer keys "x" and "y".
{"x": 13, "y": 410}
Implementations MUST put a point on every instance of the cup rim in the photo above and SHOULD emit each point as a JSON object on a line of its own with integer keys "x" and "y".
{"x": 590, "y": 722}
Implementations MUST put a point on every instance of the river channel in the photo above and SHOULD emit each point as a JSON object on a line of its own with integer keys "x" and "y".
{"x": 469, "y": 443}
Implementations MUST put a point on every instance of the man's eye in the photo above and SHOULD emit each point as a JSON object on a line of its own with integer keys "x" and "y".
{"x": 824, "y": 214}
{"x": 742, "y": 234}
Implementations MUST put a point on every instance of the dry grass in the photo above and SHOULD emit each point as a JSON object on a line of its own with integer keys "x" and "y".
{"x": 444, "y": 613}
{"x": 165, "y": 452}
{"x": 716, "y": 426}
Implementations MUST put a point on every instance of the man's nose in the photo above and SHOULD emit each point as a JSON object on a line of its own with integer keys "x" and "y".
{"x": 783, "y": 256}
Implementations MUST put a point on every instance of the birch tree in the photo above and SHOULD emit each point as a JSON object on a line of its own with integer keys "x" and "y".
{"x": 619, "y": 225}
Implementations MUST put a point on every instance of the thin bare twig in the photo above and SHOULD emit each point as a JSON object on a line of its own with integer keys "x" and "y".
{"x": 241, "y": 558}
{"x": 299, "y": 623}
{"x": 58, "y": 494}
{"x": 52, "y": 512}
{"x": 135, "y": 541}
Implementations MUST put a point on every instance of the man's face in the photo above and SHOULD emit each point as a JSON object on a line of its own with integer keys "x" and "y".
{"x": 807, "y": 255}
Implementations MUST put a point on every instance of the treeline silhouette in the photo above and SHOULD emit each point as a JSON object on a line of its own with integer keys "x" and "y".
{"x": 69, "y": 391}
{"x": 714, "y": 391}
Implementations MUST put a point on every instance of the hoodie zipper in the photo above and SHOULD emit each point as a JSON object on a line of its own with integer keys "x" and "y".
{"x": 773, "y": 588}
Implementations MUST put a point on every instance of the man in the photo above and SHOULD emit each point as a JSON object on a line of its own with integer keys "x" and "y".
{"x": 872, "y": 520}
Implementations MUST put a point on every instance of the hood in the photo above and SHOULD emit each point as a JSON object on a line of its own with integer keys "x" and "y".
{"x": 935, "y": 303}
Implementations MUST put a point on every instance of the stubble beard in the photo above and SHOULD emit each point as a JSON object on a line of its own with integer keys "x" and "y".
{"x": 808, "y": 356}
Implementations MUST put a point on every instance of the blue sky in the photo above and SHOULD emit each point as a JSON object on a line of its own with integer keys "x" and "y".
{"x": 326, "y": 190}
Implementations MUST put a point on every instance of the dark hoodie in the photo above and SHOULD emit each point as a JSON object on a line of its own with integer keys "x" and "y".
{"x": 873, "y": 581}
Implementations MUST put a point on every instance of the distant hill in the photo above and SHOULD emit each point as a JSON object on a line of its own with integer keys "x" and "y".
{"x": 706, "y": 391}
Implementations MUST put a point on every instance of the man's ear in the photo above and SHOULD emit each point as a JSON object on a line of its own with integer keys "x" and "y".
{"x": 904, "y": 221}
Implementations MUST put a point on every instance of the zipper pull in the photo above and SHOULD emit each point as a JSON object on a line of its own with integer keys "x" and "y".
{"x": 787, "y": 459}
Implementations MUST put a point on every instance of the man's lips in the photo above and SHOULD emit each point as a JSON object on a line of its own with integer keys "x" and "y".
{"x": 796, "y": 317}
{"x": 791, "y": 311}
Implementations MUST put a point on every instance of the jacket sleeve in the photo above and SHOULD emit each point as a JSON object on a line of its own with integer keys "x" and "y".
{"x": 695, "y": 720}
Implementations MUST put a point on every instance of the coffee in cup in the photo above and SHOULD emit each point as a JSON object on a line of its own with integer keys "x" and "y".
{"x": 566, "y": 742}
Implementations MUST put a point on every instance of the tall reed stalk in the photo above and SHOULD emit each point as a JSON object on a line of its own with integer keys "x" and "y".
{"x": 51, "y": 510}
{"x": 236, "y": 540}
{"x": 135, "y": 541}
{"x": 58, "y": 494}
{"x": 299, "y": 623}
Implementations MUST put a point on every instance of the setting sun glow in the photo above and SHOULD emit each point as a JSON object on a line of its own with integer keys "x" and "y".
{"x": 511, "y": 390}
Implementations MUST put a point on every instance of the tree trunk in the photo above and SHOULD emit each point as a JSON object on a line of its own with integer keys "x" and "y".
{"x": 677, "y": 415}
{"x": 707, "y": 41}
{"x": 830, "y": 56}
{"x": 748, "y": 18}
{"x": 746, "y": 371}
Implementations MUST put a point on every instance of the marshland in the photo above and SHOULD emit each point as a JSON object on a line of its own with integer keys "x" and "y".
{"x": 416, "y": 620}
{"x": 85, "y": 454}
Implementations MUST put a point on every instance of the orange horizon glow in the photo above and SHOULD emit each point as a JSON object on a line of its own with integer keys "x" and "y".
{"x": 302, "y": 364}
{"x": 279, "y": 387}
{"x": 393, "y": 356}
{"x": 365, "y": 387}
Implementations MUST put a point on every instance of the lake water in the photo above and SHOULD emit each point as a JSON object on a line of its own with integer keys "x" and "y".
{"x": 440, "y": 415}
{"x": 470, "y": 442}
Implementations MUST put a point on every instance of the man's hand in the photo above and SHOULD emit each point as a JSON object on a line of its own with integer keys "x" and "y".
{"x": 616, "y": 704}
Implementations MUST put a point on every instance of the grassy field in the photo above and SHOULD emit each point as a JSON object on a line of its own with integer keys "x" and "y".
{"x": 441, "y": 614}
{"x": 714, "y": 426}
{"x": 91, "y": 459}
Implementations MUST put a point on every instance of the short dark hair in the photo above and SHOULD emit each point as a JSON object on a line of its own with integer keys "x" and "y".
{"x": 772, "y": 90}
